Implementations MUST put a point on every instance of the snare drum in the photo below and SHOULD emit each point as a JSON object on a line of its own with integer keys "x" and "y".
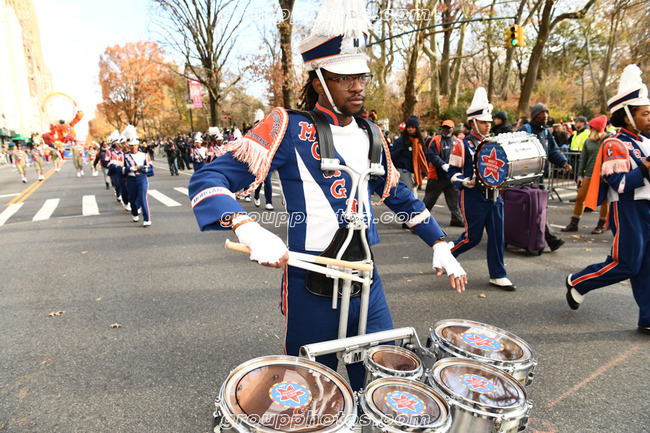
{"x": 483, "y": 399}
{"x": 509, "y": 160}
{"x": 284, "y": 394}
{"x": 484, "y": 343}
{"x": 391, "y": 361}
{"x": 394, "y": 405}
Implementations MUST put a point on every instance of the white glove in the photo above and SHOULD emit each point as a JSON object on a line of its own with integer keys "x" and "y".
{"x": 133, "y": 168}
{"x": 445, "y": 167}
{"x": 443, "y": 259}
{"x": 466, "y": 183}
{"x": 265, "y": 246}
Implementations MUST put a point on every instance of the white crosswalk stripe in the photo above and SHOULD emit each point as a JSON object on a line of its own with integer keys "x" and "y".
{"x": 9, "y": 212}
{"x": 47, "y": 210}
{"x": 183, "y": 190}
{"x": 89, "y": 206}
{"x": 163, "y": 198}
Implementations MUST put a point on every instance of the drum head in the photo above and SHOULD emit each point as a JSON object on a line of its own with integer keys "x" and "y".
{"x": 284, "y": 393}
{"x": 404, "y": 403}
{"x": 393, "y": 359}
{"x": 477, "y": 340}
{"x": 491, "y": 164}
{"x": 479, "y": 385}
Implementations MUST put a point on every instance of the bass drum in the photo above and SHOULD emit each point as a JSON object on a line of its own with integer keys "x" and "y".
{"x": 483, "y": 399}
{"x": 484, "y": 343}
{"x": 511, "y": 159}
{"x": 284, "y": 394}
{"x": 392, "y": 361}
{"x": 393, "y": 405}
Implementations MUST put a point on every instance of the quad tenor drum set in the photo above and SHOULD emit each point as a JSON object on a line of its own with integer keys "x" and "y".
{"x": 468, "y": 377}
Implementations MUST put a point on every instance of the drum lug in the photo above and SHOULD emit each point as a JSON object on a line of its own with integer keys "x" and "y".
{"x": 524, "y": 421}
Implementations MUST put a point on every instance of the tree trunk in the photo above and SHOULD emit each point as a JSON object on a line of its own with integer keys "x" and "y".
{"x": 445, "y": 65}
{"x": 432, "y": 53}
{"x": 611, "y": 42}
{"x": 458, "y": 61}
{"x": 286, "y": 29}
{"x": 410, "y": 89}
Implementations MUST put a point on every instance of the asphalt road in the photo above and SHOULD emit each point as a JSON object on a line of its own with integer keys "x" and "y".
{"x": 190, "y": 311}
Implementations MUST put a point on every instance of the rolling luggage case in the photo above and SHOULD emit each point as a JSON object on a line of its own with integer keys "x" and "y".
{"x": 524, "y": 214}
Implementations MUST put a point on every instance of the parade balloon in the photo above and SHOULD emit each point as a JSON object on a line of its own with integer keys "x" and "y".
{"x": 60, "y": 109}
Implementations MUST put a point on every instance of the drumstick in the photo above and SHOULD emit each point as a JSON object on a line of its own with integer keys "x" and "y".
{"x": 295, "y": 262}
{"x": 308, "y": 258}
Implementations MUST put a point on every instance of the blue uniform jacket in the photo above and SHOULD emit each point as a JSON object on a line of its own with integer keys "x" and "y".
{"x": 315, "y": 203}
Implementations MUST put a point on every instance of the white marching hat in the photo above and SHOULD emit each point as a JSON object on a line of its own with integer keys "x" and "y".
{"x": 259, "y": 115}
{"x": 215, "y": 131}
{"x": 480, "y": 109}
{"x": 130, "y": 135}
{"x": 631, "y": 90}
{"x": 198, "y": 138}
{"x": 338, "y": 38}
{"x": 114, "y": 137}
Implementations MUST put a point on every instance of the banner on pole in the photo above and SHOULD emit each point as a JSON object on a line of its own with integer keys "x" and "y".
{"x": 195, "y": 94}
{"x": 224, "y": 117}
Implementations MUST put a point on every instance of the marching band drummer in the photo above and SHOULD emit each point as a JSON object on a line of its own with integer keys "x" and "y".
{"x": 625, "y": 169}
{"x": 137, "y": 168}
{"x": 479, "y": 211}
{"x": 287, "y": 141}
{"x": 198, "y": 153}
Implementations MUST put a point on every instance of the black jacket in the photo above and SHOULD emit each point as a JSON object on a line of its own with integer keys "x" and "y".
{"x": 501, "y": 129}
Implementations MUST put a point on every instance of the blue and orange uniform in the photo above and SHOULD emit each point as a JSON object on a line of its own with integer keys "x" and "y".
{"x": 478, "y": 211}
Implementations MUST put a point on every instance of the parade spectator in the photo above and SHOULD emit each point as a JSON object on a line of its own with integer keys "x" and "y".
{"x": 588, "y": 157}
{"x": 561, "y": 137}
{"x": 439, "y": 150}
{"x": 537, "y": 126}
{"x": 580, "y": 134}
{"x": 408, "y": 155}
{"x": 624, "y": 172}
{"x": 501, "y": 124}
{"x": 172, "y": 157}
{"x": 521, "y": 122}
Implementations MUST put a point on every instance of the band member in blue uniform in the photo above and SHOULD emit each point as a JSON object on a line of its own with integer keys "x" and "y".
{"x": 287, "y": 141}
{"x": 625, "y": 169}
{"x": 479, "y": 207}
{"x": 198, "y": 153}
{"x": 137, "y": 168}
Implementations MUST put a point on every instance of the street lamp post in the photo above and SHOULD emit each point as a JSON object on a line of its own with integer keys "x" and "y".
{"x": 190, "y": 105}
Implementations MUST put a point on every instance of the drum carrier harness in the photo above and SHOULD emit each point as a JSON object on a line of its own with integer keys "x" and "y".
{"x": 350, "y": 242}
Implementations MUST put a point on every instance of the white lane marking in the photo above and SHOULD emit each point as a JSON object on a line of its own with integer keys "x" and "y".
{"x": 9, "y": 195}
{"x": 438, "y": 205}
{"x": 179, "y": 171}
{"x": 9, "y": 212}
{"x": 163, "y": 198}
{"x": 90, "y": 206}
{"x": 182, "y": 190}
{"x": 47, "y": 210}
{"x": 557, "y": 226}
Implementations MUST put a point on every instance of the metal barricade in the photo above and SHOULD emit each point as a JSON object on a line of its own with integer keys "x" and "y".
{"x": 560, "y": 182}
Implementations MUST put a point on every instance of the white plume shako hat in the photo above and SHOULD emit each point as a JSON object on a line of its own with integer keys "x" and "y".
{"x": 337, "y": 42}
{"x": 631, "y": 91}
{"x": 198, "y": 138}
{"x": 215, "y": 131}
{"x": 114, "y": 137}
{"x": 259, "y": 115}
{"x": 130, "y": 135}
{"x": 480, "y": 109}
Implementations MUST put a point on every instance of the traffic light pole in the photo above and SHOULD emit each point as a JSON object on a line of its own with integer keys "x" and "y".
{"x": 440, "y": 25}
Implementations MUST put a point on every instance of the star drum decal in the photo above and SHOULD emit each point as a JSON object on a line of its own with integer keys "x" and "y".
{"x": 290, "y": 394}
{"x": 477, "y": 384}
{"x": 405, "y": 403}
{"x": 482, "y": 342}
{"x": 492, "y": 165}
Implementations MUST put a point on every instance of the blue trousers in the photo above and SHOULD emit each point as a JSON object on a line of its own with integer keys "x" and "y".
{"x": 311, "y": 319}
{"x": 124, "y": 189}
{"x": 479, "y": 213}
{"x": 116, "y": 184}
{"x": 198, "y": 165}
{"x": 138, "y": 191}
{"x": 629, "y": 258}
{"x": 268, "y": 189}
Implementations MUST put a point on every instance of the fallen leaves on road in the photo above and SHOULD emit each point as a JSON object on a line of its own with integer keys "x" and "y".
{"x": 481, "y": 295}
{"x": 115, "y": 325}
{"x": 587, "y": 249}
{"x": 55, "y": 313}
{"x": 421, "y": 273}
{"x": 84, "y": 252}
{"x": 98, "y": 299}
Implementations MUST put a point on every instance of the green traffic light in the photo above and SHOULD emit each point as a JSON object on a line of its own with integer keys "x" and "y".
{"x": 514, "y": 43}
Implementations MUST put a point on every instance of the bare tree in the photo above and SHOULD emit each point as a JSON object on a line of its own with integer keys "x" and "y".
{"x": 547, "y": 25}
{"x": 286, "y": 29}
{"x": 204, "y": 33}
